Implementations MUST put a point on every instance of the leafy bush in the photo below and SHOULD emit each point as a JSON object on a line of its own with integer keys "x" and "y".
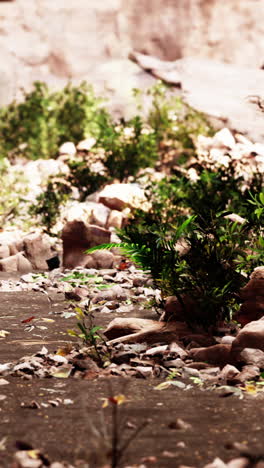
{"x": 49, "y": 202}
{"x": 37, "y": 126}
{"x": 175, "y": 123}
{"x": 13, "y": 192}
{"x": 193, "y": 245}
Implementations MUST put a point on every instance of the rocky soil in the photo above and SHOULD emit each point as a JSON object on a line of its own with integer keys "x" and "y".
{"x": 51, "y": 387}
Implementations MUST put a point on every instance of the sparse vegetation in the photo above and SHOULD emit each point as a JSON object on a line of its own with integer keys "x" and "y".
{"x": 191, "y": 246}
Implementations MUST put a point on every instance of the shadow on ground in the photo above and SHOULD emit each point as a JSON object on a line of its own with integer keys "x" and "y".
{"x": 63, "y": 432}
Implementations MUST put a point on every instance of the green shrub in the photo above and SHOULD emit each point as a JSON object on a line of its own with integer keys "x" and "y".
{"x": 49, "y": 202}
{"x": 13, "y": 194}
{"x": 38, "y": 125}
{"x": 191, "y": 247}
{"x": 175, "y": 123}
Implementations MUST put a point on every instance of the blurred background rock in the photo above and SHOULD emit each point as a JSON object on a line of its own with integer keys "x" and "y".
{"x": 58, "y": 41}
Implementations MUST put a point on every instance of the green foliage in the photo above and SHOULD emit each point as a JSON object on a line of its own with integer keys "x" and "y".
{"x": 49, "y": 202}
{"x": 176, "y": 125}
{"x": 191, "y": 246}
{"x": 130, "y": 146}
{"x": 37, "y": 126}
{"x": 88, "y": 332}
{"x": 13, "y": 192}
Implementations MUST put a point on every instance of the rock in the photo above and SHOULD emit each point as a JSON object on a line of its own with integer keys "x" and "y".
{"x": 78, "y": 237}
{"x": 23, "y": 264}
{"x": 250, "y": 311}
{"x": 157, "y": 350}
{"x": 116, "y": 292}
{"x": 119, "y": 292}
{"x": 174, "y": 348}
{"x": 220, "y": 90}
{"x": 251, "y": 336}
{"x": 216, "y": 463}
{"x": 207, "y": 371}
{"x": 4, "y": 251}
{"x": 227, "y": 339}
{"x": 86, "y": 145}
{"x": 248, "y": 372}
{"x": 224, "y": 138}
{"x": 252, "y": 356}
{"x": 115, "y": 219}
{"x": 253, "y": 296}
{"x": 203, "y": 366}
{"x": 190, "y": 372}
{"x": 239, "y": 462}
{"x": 174, "y": 363}
{"x": 139, "y": 281}
{"x": 99, "y": 215}
{"x": 134, "y": 330}
{"x": 179, "y": 424}
{"x": 17, "y": 262}
{"x": 255, "y": 287}
{"x": 90, "y": 262}
{"x": 258, "y": 273}
{"x": 217, "y": 354}
{"x": 120, "y": 196}
{"x": 9, "y": 264}
{"x": 103, "y": 259}
{"x": 89, "y": 212}
{"x": 77, "y": 294}
{"x": 38, "y": 249}
{"x": 67, "y": 148}
{"x": 144, "y": 371}
{"x": 174, "y": 310}
{"x": 228, "y": 373}
{"x": 199, "y": 339}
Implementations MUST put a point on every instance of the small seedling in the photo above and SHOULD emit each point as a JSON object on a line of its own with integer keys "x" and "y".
{"x": 89, "y": 333}
{"x": 114, "y": 440}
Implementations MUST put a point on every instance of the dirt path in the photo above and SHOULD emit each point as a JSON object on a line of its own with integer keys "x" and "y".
{"x": 62, "y": 431}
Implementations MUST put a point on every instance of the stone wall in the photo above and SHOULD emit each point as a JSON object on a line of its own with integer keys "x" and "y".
{"x": 90, "y": 39}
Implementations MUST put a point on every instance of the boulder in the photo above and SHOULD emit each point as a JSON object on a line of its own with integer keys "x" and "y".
{"x": 23, "y": 264}
{"x": 77, "y": 237}
{"x": 89, "y": 211}
{"x": 224, "y": 139}
{"x": 9, "y": 264}
{"x": 104, "y": 259}
{"x": 221, "y": 90}
{"x": 37, "y": 248}
{"x": 135, "y": 330}
{"x": 4, "y": 251}
{"x": 252, "y": 296}
{"x": 216, "y": 354}
{"x": 100, "y": 215}
{"x": 120, "y": 196}
{"x": 251, "y": 336}
{"x": 115, "y": 219}
{"x": 252, "y": 356}
{"x": 14, "y": 263}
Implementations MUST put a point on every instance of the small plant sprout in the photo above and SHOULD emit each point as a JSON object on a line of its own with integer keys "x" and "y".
{"x": 89, "y": 333}
{"x": 112, "y": 437}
